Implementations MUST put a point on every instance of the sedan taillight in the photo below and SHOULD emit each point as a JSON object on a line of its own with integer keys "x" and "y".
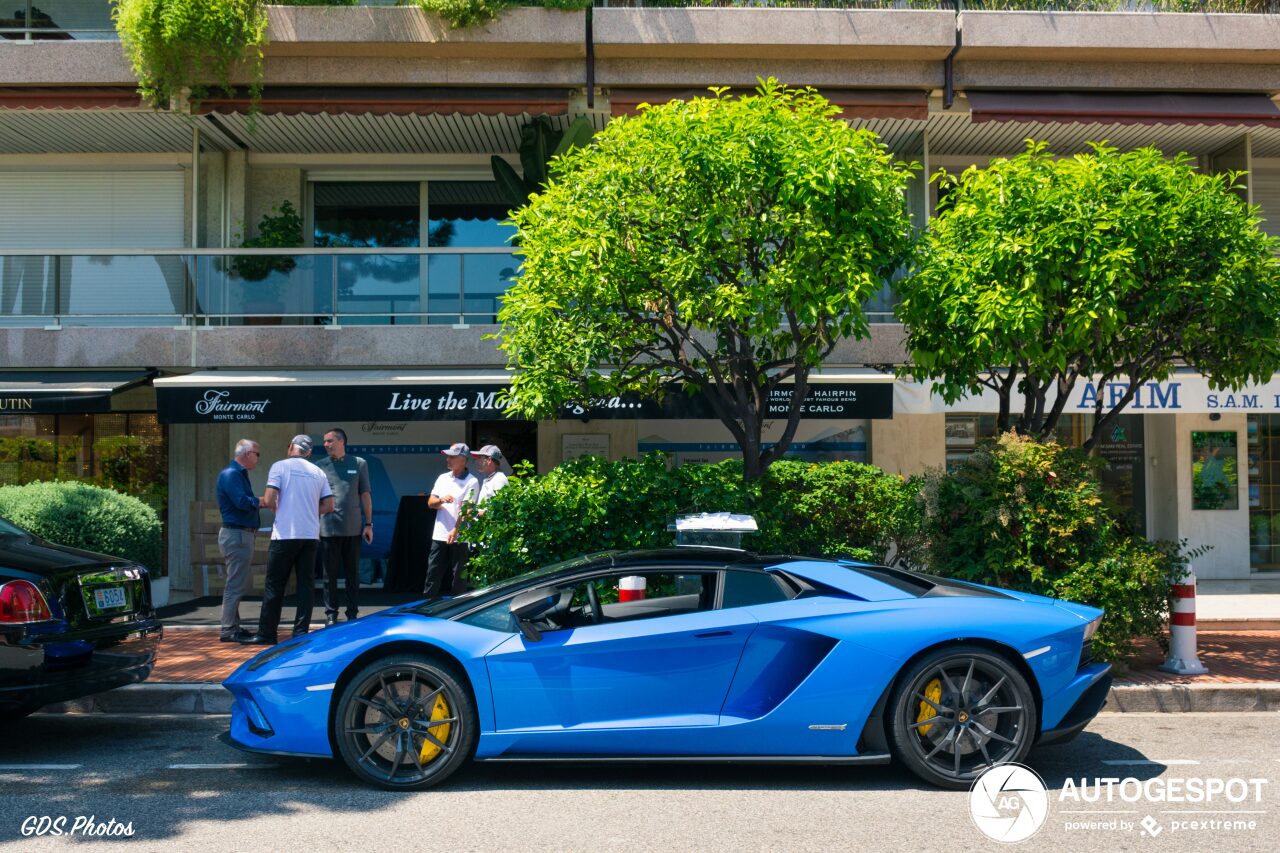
{"x": 21, "y": 602}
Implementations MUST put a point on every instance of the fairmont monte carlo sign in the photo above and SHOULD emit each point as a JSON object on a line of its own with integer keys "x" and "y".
{"x": 286, "y": 403}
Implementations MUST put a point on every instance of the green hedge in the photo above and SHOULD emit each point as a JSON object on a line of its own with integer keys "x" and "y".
{"x": 83, "y": 516}
{"x": 590, "y": 504}
{"x": 1030, "y": 516}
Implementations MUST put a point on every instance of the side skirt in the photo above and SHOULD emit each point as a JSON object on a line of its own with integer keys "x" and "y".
{"x": 877, "y": 758}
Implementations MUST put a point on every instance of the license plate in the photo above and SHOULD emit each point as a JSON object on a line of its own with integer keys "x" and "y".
{"x": 109, "y": 597}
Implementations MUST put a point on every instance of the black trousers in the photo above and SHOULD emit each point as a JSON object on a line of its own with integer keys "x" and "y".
{"x": 285, "y": 557}
{"x": 341, "y": 555}
{"x": 444, "y": 568}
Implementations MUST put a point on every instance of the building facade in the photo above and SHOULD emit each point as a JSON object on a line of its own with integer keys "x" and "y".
{"x": 140, "y": 344}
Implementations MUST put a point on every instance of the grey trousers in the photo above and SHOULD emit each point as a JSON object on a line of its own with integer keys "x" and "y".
{"x": 237, "y": 549}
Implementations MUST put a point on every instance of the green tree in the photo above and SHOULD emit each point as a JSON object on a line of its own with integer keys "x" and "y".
{"x": 1040, "y": 273}
{"x": 722, "y": 244}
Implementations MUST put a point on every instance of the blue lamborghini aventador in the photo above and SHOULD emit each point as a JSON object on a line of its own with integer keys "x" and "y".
{"x": 683, "y": 654}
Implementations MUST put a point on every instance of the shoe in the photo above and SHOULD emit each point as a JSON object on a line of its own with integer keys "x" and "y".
{"x": 330, "y": 620}
{"x": 351, "y": 617}
{"x": 303, "y": 631}
{"x": 258, "y": 640}
{"x": 239, "y": 636}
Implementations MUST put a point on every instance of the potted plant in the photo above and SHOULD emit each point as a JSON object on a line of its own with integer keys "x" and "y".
{"x": 279, "y": 229}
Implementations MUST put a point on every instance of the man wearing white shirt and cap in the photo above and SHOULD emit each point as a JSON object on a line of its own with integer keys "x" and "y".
{"x": 492, "y": 470}
{"x": 452, "y": 489}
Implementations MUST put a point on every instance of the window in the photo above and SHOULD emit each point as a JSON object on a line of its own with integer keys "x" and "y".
{"x": 743, "y": 589}
{"x": 620, "y": 598}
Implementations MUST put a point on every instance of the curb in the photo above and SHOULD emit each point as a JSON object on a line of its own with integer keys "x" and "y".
{"x": 212, "y": 698}
{"x": 1182, "y": 698}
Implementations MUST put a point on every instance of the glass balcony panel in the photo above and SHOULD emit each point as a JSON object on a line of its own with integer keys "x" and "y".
{"x": 39, "y": 20}
{"x": 484, "y": 281}
{"x": 253, "y": 289}
{"x": 444, "y": 286}
{"x": 28, "y": 290}
{"x": 122, "y": 290}
{"x": 380, "y": 289}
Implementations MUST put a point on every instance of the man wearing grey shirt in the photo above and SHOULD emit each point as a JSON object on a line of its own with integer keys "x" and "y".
{"x": 342, "y": 529}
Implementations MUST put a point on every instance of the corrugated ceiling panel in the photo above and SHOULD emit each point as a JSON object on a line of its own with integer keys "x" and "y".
{"x": 89, "y": 131}
{"x": 1266, "y": 142}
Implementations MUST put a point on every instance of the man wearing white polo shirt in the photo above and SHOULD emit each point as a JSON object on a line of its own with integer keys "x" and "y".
{"x": 452, "y": 489}
{"x": 299, "y": 493}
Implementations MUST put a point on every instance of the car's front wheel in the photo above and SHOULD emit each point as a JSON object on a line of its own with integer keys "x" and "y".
{"x": 960, "y": 710}
{"x": 405, "y": 722}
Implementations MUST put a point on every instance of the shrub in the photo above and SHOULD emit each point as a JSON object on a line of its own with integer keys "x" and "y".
{"x": 830, "y": 509}
{"x": 83, "y": 516}
{"x": 589, "y": 504}
{"x": 1030, "y": 516}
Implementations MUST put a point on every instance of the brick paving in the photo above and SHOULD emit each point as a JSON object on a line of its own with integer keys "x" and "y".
{"x": 195, "y": 654}
{"x": 1232, "y": 657}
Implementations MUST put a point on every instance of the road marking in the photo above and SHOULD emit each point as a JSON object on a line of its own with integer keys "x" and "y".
{"x": 1147, "y": 762}
{"x": 218, "y": 766}
{"x": 11, "y": 767}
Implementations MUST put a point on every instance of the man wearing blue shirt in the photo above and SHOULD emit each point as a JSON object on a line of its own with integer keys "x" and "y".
{"x": 240, "y": 521}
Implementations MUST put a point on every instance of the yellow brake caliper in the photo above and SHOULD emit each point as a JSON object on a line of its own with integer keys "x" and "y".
{"x": 933, "y": 692}
{"x": 441, "y": 732}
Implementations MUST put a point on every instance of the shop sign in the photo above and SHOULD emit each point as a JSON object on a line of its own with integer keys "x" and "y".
{"x": 391, "y": 403}
{"x": 1180, "y": 394}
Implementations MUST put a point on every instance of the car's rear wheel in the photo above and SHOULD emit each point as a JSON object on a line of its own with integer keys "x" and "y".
{"x": 960, "y": 710}
{"x": 405, "y": 722}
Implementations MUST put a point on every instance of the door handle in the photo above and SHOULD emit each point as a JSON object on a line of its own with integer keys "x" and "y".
{"x": 709, "y": 634}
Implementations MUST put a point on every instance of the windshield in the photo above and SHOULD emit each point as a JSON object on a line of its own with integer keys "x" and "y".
{"x": 447, "y": 607}
{"x": 7, "y": 529}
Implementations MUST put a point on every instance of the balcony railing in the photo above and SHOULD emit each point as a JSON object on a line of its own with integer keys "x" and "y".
{"x": 248, "y": 287}
{"x": 219, "y": 287}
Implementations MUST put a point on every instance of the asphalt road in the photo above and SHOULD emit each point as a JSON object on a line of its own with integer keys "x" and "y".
{"x": 179, "y": 789}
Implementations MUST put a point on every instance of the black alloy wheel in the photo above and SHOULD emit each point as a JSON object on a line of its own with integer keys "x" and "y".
{"x": 959, "y": 711}
{"x": 405, "y": 722}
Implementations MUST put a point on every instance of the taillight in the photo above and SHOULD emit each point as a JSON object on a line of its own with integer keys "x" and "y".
{"x": 21, "y": 602}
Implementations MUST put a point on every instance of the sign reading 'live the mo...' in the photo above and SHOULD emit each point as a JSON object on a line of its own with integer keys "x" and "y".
{"x": 200, "y": 404}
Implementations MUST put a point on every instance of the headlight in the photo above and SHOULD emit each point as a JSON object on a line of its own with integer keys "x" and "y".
{"x": 1091, "y": 629}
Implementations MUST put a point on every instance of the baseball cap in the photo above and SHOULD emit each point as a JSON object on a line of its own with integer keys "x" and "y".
{"x": 302, "y": 442}
{"x": 492, "y": 451}
{"x": 457, "y": 449}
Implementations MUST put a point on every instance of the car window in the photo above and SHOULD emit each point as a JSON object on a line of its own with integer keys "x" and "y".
{"x": 495, "y": 617}
{"x": 622, "y": 597}
{"x": 742, "y": 589}
{"x": 625, "y": 597}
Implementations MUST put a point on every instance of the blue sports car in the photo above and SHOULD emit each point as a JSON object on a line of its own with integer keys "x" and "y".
{"x": 683, "y": 654}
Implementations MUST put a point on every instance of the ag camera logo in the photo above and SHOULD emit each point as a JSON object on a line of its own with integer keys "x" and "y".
{"x": 1009, "y": 803}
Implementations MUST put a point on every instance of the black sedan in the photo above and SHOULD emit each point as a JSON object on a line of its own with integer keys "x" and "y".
{"x": 72, "y": 623}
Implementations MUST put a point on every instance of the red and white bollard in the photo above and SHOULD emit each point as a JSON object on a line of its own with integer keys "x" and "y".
{"x": 1182, "y": 630}
{"x": 631, "y": 588}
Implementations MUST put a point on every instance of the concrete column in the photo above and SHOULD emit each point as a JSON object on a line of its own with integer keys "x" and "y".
{"x": 237, "y": 195}
{"x": 909, "y": 444}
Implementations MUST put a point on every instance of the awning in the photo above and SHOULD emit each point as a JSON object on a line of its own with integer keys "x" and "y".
{"x": 381, "y": 100}
{"x": 1247, "y": 109}
{"x": 69, "y": 98}
{"x": 218, "y": 396}
{"x": 854, "y": 103}
{"x": 58, "y": 392}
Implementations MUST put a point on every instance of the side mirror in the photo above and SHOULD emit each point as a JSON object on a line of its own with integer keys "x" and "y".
{"x": 529, "y": 605}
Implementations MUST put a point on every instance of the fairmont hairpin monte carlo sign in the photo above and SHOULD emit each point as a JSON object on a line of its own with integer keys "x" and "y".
{"x": 180, "y": 400}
